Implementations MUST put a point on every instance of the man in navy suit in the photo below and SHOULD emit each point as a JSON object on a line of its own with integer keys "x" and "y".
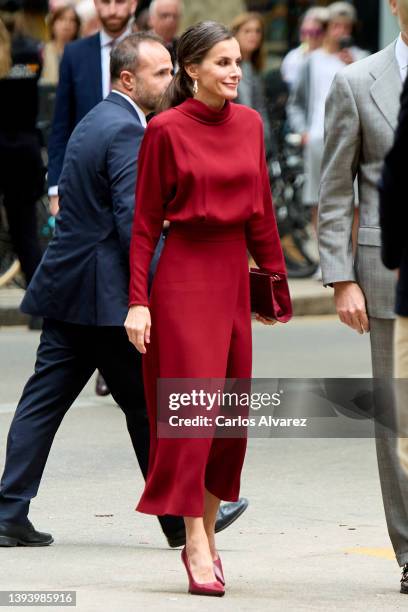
{"x": 81, "y": 290}
{"x": 84, "y": 81}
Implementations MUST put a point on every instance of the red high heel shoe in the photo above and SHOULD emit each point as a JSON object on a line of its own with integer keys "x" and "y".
{"x": 214, "y": 589}
{"x": 218, "y": 571}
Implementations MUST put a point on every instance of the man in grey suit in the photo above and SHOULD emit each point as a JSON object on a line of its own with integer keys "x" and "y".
{"x": 361, "y": 117}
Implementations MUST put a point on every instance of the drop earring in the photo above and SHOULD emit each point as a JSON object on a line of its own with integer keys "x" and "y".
{"x": 195, "y": 87}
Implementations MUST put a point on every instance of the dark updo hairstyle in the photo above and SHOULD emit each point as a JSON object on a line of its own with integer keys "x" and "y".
{"x": 192, "y": 47}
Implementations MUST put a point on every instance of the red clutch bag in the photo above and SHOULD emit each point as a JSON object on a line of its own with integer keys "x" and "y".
{"x": 270, "y": 295}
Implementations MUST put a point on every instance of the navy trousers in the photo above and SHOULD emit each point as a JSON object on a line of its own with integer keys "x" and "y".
{"x": 67, "y": 357}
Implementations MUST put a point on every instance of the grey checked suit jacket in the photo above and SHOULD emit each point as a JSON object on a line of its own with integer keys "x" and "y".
{"x": 361, "y": 118}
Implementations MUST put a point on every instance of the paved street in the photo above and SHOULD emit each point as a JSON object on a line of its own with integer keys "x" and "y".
{"x": 314, "y": 537}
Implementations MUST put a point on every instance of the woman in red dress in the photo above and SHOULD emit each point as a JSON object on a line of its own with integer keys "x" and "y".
{"x": 202, "y": 167}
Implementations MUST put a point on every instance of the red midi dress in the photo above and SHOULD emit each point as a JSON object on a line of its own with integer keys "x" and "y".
{"x": 204, "y": 171}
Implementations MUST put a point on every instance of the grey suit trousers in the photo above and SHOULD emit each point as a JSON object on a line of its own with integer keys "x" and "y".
{"x": 394, "y": 482}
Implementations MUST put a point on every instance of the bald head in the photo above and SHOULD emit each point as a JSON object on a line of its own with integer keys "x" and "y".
{"x": 165, "y": 18}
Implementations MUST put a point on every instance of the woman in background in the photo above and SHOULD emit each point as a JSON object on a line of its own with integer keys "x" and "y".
{"x": 306, "y": 106}
{"x": 249, "y": 30}
{"x": 64, "y": 26}
{"x": 22, "y": 172}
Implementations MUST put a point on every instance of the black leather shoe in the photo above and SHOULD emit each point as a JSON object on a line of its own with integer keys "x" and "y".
{"x": 101, "y": 388}
{"x": 12, "y": 534}
{"x": 404, "y": 579}
{"x": 227, "y": 514}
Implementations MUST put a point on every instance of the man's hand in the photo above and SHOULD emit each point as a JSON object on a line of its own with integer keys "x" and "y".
{"x": 54, "y": 205}
{"x": 351, "y": 306}
{"x": 138, "y": 324}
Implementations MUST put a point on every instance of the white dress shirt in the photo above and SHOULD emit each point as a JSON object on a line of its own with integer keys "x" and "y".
{"x": 106, "y": 48}
{"x": 401, "y": 53}
{"x": 139, "y": 111}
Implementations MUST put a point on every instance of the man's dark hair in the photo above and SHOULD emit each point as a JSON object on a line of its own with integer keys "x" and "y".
{"x": 125, "y": 56}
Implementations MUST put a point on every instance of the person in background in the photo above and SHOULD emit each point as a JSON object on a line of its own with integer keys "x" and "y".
{"x": 22, "y": 170}
{"x": 249, "y": 30}
{"x": 311, "y": 32}
{"x": 165, "y": 16}
{"x": 306, "y": 104}
{"x": 64, "y": 26}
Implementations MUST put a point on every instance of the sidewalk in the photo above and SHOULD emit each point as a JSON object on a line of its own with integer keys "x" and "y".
{"x": 308, "y": 296}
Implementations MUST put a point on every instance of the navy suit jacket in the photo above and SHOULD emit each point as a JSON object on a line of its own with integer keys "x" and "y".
{"x": 83, "y": 277}
{"x": 79, "y": 90}
{"x": 394, "y": 207}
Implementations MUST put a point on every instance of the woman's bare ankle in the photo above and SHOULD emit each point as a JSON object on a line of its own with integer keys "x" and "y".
{"x": 211, "y": 544}
{"x": 200, "y": 558}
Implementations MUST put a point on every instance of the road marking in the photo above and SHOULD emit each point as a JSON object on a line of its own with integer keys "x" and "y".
{"x": 382, "y": 553}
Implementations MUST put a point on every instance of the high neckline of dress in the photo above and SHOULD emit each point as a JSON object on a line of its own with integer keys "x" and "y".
{"x": 203, "y": 113}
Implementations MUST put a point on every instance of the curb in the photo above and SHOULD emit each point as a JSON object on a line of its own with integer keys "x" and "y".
{"x": 313, "y": 306}
{"x": 12, "y": 316}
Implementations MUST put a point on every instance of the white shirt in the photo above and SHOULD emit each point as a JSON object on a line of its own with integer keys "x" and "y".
{"x": 401, "y": 54}
{"x": 139, "y": 111}
{"x": 292, "y": 64}
{"x": 106, "y": 48}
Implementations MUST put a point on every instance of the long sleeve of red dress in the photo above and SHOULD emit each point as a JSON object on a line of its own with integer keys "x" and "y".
{"x": 198, "y": 165}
